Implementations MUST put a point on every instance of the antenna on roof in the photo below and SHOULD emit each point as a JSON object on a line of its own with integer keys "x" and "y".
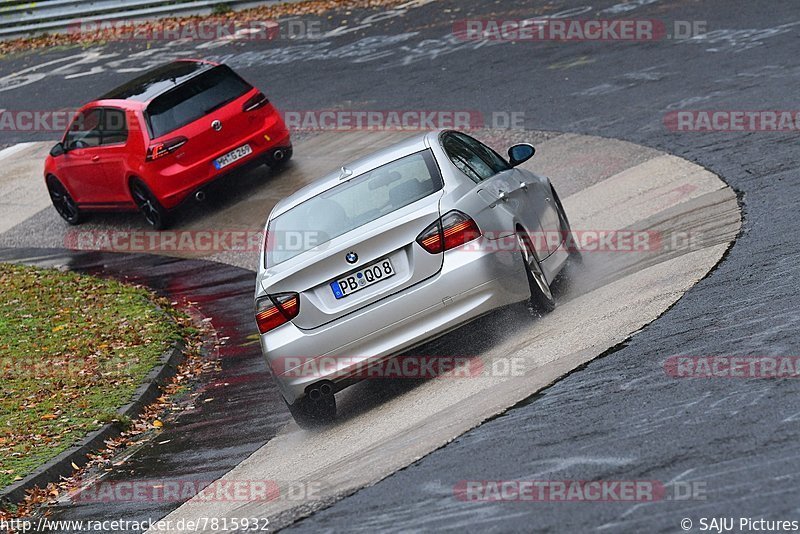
{"x": 345, "y": 173}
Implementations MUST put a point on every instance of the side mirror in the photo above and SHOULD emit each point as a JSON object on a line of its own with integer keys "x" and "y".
{"x": 520, "y": 153}
{"x": 57, "y": 150}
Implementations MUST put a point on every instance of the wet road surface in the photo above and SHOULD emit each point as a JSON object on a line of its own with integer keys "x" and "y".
{"x": 620, "y": 416}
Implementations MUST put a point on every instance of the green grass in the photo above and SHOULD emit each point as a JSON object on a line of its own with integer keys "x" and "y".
{"x": 73, "y": 349}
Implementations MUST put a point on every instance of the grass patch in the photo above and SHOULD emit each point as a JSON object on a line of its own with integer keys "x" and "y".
{"x": 73, "y": 349}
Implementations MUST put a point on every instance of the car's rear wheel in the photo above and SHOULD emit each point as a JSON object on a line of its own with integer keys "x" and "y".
{"x": 309, "y": 414}
{"x": 542, "y": 298}
{"x": 152, "y": 210}
{"x": 62, "y": 201}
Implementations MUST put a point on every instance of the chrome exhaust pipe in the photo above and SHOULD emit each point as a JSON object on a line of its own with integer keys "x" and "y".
{"x": 319, "y": 392}
{"x": 278, "y": 155}
{"x": 200, "y": 196}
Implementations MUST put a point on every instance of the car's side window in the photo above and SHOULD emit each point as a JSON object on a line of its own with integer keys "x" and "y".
{"x": 85, "y": 130}
{"x": 114, "y": 127}
{"x": 466, "y": 160}
{"x": 497, "y": 163}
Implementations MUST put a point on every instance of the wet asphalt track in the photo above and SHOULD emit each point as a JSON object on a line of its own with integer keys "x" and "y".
{"x": 376, "y": 433}
{"x": 620, "y": 417}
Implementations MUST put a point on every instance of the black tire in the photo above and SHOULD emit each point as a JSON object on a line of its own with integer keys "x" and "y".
{"x": 64, "y": 204}
{"x": 575, "y": 256}
{"x": 542, "y": 299}
{"x": 310, "y": 415}
{"x": 149, "y": 206}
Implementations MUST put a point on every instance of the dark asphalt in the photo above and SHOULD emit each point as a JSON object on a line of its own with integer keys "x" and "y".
{"x": 621, "y": 417}
{"x": 235, "y": 412}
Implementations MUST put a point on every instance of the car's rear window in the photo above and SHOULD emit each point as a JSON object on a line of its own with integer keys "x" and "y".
{"x": 352, "y": 204}
{"x": 194, "y": 99}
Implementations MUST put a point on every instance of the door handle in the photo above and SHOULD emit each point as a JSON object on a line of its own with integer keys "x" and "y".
{"x": 523, "y": 186}
{"x": 95, "y": 158}
{"x": 502, "y": 196}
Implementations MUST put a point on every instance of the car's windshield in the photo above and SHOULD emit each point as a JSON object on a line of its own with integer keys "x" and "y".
{"x": 195, "y": 98}
{"x": 352, "y": 204}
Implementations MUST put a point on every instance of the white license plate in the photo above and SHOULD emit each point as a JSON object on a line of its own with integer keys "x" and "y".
{"x": 361, "y": 279}
{"x": 233, "y": 155}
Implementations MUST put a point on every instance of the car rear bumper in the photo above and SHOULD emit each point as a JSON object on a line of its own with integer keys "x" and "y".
{"x": 178, "y": 182}
{"x": 472, "y": 282}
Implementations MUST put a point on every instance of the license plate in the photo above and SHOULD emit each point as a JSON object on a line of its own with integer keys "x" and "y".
{"x": 233, "y": 155}
{"x": 363, "y": 278}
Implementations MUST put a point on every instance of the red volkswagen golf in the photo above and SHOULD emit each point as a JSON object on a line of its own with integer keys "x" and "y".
{"x": 161, "y": 138}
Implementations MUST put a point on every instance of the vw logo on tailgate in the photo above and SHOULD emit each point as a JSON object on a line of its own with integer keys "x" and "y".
{"x": 217, "y": 125}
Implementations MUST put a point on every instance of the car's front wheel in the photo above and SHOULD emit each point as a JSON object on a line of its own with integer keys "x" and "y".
{"x": 149, "y": 206}
{"x": 575, "y": 256}
{"x": 309, "y": 414}
{"x": 542, "y": 298}
{"x": 62, "y": 201}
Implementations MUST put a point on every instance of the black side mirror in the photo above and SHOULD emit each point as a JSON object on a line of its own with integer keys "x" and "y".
{"x": 57, "y": 150}
{"x": 520, "y": 153}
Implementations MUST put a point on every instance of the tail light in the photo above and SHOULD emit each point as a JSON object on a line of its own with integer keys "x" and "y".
{"x": 257, "y": 101}
{"x": 452, "y": 230}
{"x": 275, "y": 310}
{"x": 165, "y": 147}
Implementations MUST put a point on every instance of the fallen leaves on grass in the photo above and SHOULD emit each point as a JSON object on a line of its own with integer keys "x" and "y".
{"x": 73, "y": 349}
{"x": 181, "y": 391}
{"x": 261, "y": 13}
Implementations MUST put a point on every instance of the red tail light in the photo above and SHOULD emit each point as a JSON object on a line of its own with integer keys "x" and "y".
{"x": 275, "y": 310}
{"x": 257, "y": 101}
{"x": 452, "y": 230}
{"x": 165, "y": 147}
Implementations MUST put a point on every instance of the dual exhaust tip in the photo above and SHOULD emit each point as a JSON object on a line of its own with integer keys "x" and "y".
{"x": 320, "y": 392}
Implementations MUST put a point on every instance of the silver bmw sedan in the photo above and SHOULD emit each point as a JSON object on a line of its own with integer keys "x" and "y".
{"x": 395, "y": 249}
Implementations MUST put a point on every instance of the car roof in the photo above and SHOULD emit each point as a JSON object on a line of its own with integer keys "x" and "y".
{"x": 158, "y": 81}
{"x": 358, "y": 167}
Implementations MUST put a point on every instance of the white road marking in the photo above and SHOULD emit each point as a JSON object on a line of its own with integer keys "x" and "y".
{"x": 22, "y": 190}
